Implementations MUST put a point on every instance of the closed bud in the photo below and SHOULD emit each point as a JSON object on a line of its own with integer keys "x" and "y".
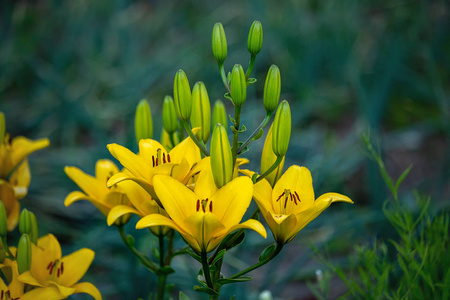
{"x": 272, "y": 89}
{"x": 238, "y": 85}
{"x": 281, "y": 129}
{"x": 201, "y": 111}
{"x": 25, "y": 222}
{"x": 24, "y": 254}
{"x": 255, "y": 38}
{"x": 3, "y": 220}
{"x": 34, "y": 229}
{"x": 221, "y": 157}
{"x": 182, "y": 96}
{"x": 165, "y": 140}
{"x": 170, "y": 121}
{"x": 219, "y": 113}
{"x": 2, "y": 127}
{"x": 143, "y": 124}
{"x": 268, "y": 158}
{"x": 219, "y": 43}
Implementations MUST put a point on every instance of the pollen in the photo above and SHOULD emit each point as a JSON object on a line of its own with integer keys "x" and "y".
{"x": 205, "y": 205}
{"x": 288, "y": 201}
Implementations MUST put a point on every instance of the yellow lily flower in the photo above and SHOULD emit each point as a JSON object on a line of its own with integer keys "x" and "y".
{"x": 290, "y": 205}
{"x": 95, "y": 189}
{"x": 13, "y": 290}
{"x": 205, "y": 216}
{"x": 54, "y": 276}
{"x": 143, "y": 205}
{"x": 154, "y": 159}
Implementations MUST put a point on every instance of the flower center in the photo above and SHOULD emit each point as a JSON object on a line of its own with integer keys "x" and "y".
{"x": 56, "y": 267}
{"x": 6, "y": 295}
{"x": 288, "y": 200}
{"x": 160, "y": 158}
{"x": 205, "y": 205}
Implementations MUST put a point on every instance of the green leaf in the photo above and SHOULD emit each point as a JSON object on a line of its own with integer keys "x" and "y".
{"x": 259, "y": 135}
{"x": 254, "y": 177}
{"x": 233, "y": 240}
{"x": 183, "y": 296}
{"x": 164, "y": 271}
{"x": 194, "y": 255}
{"x": 402, "y": 177}
{"x": 228, "y": 96}
{"x": 232, "y": 120}
{"x": 233, "y": 298}
{"x": 219, "y": 256}
{"x": 251, "y": 81}
{"x": 207, "y": 290}
{"x": 223, "y": 281}
{"x": 266, "y": 252}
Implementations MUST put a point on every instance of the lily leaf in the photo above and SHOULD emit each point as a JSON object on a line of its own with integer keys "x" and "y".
{"x": 183, "y": 296}
{"x": 251, "y": 81}
{"x": 194, "y": 255}
{"x": 219, "y": 256}
{"x": 204, "y": 289}
{"x": 224, "y": 281}
{"x": 165, "y": 271}
{"x": 259, "y": 135}
{"x": 233, "y": 240}
{"x": 266, "y": 252}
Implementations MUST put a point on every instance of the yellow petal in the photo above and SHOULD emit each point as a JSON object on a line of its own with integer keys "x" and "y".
{"x": 186, "y": 149}
{"x": 87, "y": 288}
{"x": 148, "y": 148}
{"x": 296, "y": 179}
{"x": 51, "y": 246}
{"x": 20, "y": 178}
{"x": 205, "y": 185}
{"x": 63, "y": 290}
{"x": 137, "y": 165}
{"x": 262, "y": 192}
{"x": 250, "y": 224}
{"x": 205, "y": 228}
{"x": 21, "y": 147}
{"x": 86, "y": 182}
{"x": 334, "y": 197}
{"x": 28, "y": 278}
{"x": 158, "y": 220}
{"x": 122, "y": 176}
{"x": 77, "y": 196}
{"x": 135, "y": 193}
{"x": 104, "y": 169}
{"x": 75, "y": 266}
{"x": 232, "y": 200}
{"x": 178, "y": 200}
{"x": 118, "y": 211}
{"x": 15, "y": 286}
{"x": 283, "y": 227}
{"x": 43, "y": 293}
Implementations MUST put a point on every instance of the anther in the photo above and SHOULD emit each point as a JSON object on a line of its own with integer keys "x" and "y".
{"x": 210, "y": 206}
{"x": 58, "y": 272}
{"x": 153, "y": 160}
{"x": 168, "y": 157}
{"x": 62, "y": 267}
{"x": 198, "y": 204}
{"x": 280, "y": 196}
{"x": 298, "y": 198}
{"x": 164, "y": 158}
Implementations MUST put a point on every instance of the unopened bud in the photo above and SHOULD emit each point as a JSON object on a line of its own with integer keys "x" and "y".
{"x": 165, "y": 140}
{"x": 2, "y": 127}
{"x": 201, "y": 111}
{"x": 170, "y": 121}
{"x": 268, "y": 158}
{"x": 182, "y": 96}
{"x": 219, "y": 43}
{"x": 34, "y": 228}
{"x": 255, "y": 38}
{"x": 219, "y": 114}
{"x": 25, "y": 222}
{"x": 3, "y": 220}
{"x": 238, "y": 85}
{"x": 143, "y": 125}
{"x": 24, "y": 254}
{"x": 221, "y": 157}
{"x": 272, "y": 89}
{"x": 281, "y": 129}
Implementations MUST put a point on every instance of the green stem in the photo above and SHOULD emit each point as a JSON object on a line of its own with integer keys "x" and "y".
{"x": 270, "y": 170}
{"x": 224, "y": 78}
{"x": 6, "y": 248}
{"x": 144, "y": 261}
{"x": 206, "y": 271}
{"x": 161, "y": 250}
{"x": 250, "y": 66}
{"x": 237, "y": 121}
{"x": 162, "y": 279}
{"x": 170, "y": 253}
{"x": 194, "y": 138}
{"x": 259, "y": 264}
{"x": 250, "y": 138}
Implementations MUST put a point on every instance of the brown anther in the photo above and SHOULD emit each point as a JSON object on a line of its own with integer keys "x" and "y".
{"x": 280, "y": 196}
{"x": 62, "y": 267}
{"x": 168, "y": 157}
{"x": 164, "y": 158}
{"x": 210, "y": 206}
{"x": 58, "y": 272}
{"x": 298, "y": 198}
{"x": 49, "y": 265}
{"x": 198, "y": 204}
{"x": 153, "y": 160}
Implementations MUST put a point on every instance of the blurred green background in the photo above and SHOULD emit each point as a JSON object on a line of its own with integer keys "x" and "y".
{"x": 74, "y": 71}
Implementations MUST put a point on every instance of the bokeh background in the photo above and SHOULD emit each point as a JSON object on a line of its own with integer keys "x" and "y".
{"x": 74, "y": 71}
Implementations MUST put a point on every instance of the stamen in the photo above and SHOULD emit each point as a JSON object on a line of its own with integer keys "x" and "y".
{"x": 298, "y": 198}
{"x": 1, "y": 297}
{"x": 49, "y": 265}
{"x": 280, "y": 196}
{"x": 210, "y": 206}
{"x": 153, "y": 160}
{"x": 168, "y": 157}
{"x": 198, "y": 204}
{"x": 62, "y": 267}
{"x": 164, "y": 158}
{"x": 51, "y": 269}
{"x": 57, "y": 273}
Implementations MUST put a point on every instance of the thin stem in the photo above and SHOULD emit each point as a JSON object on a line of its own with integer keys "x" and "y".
{"x": 147, "y": 263}
{"x": 270, "y": 170}
{"x": 161, "y": 250}
{"x": 206, "y": 271}
{"x": 170, "y": 253}
{"x": 237, "y": 120}
{"x": 6, "y": 248}
{"x": 224, "y": 78}
{"x": 162, "y": 279}
{"x": 250, "y": 66}
{"x": 259, "y": 264}
{"x": 194, "y": 138}
{"x": 250, "y": 138}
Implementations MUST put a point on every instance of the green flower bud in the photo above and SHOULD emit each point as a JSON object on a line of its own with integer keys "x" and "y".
{"x": 25, "y": 222}
{"x": 24, "y": 254}
{"x": 219, "y": 43}
{"x": 165, "y": 140}
{"x": 2, "y": 127}
{"x": 221, "y": 157}
{"x": 268, "y": 158}
{"x": 143, "y": 125}
{"x": 255, "y": 38}
{"x": 3, "y": 220}
{"x": 34, "y": 229}
{"x": 170, "y": 121}
{"x": 201, "y": 111}
{"x": 219, "y": 113}
{"x": 238, "y": 85}
{"x": 272, "y": 89}
{"x": 182, "y": 96}
{"x": 281, "y": 129}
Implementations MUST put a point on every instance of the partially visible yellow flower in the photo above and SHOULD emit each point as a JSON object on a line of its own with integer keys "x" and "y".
{"x": 205, "y": 216}
{"x": 95, "y": 189}
{"x": 154, "y": 159}
{"x": 290, "y": 205}
{"x": 14, "y": 289}
{"x": 142, "y": 205}
{"x": 56, "y": 277}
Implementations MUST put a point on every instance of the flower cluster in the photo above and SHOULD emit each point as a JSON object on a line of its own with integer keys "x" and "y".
{"x": 199, "y": 189}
